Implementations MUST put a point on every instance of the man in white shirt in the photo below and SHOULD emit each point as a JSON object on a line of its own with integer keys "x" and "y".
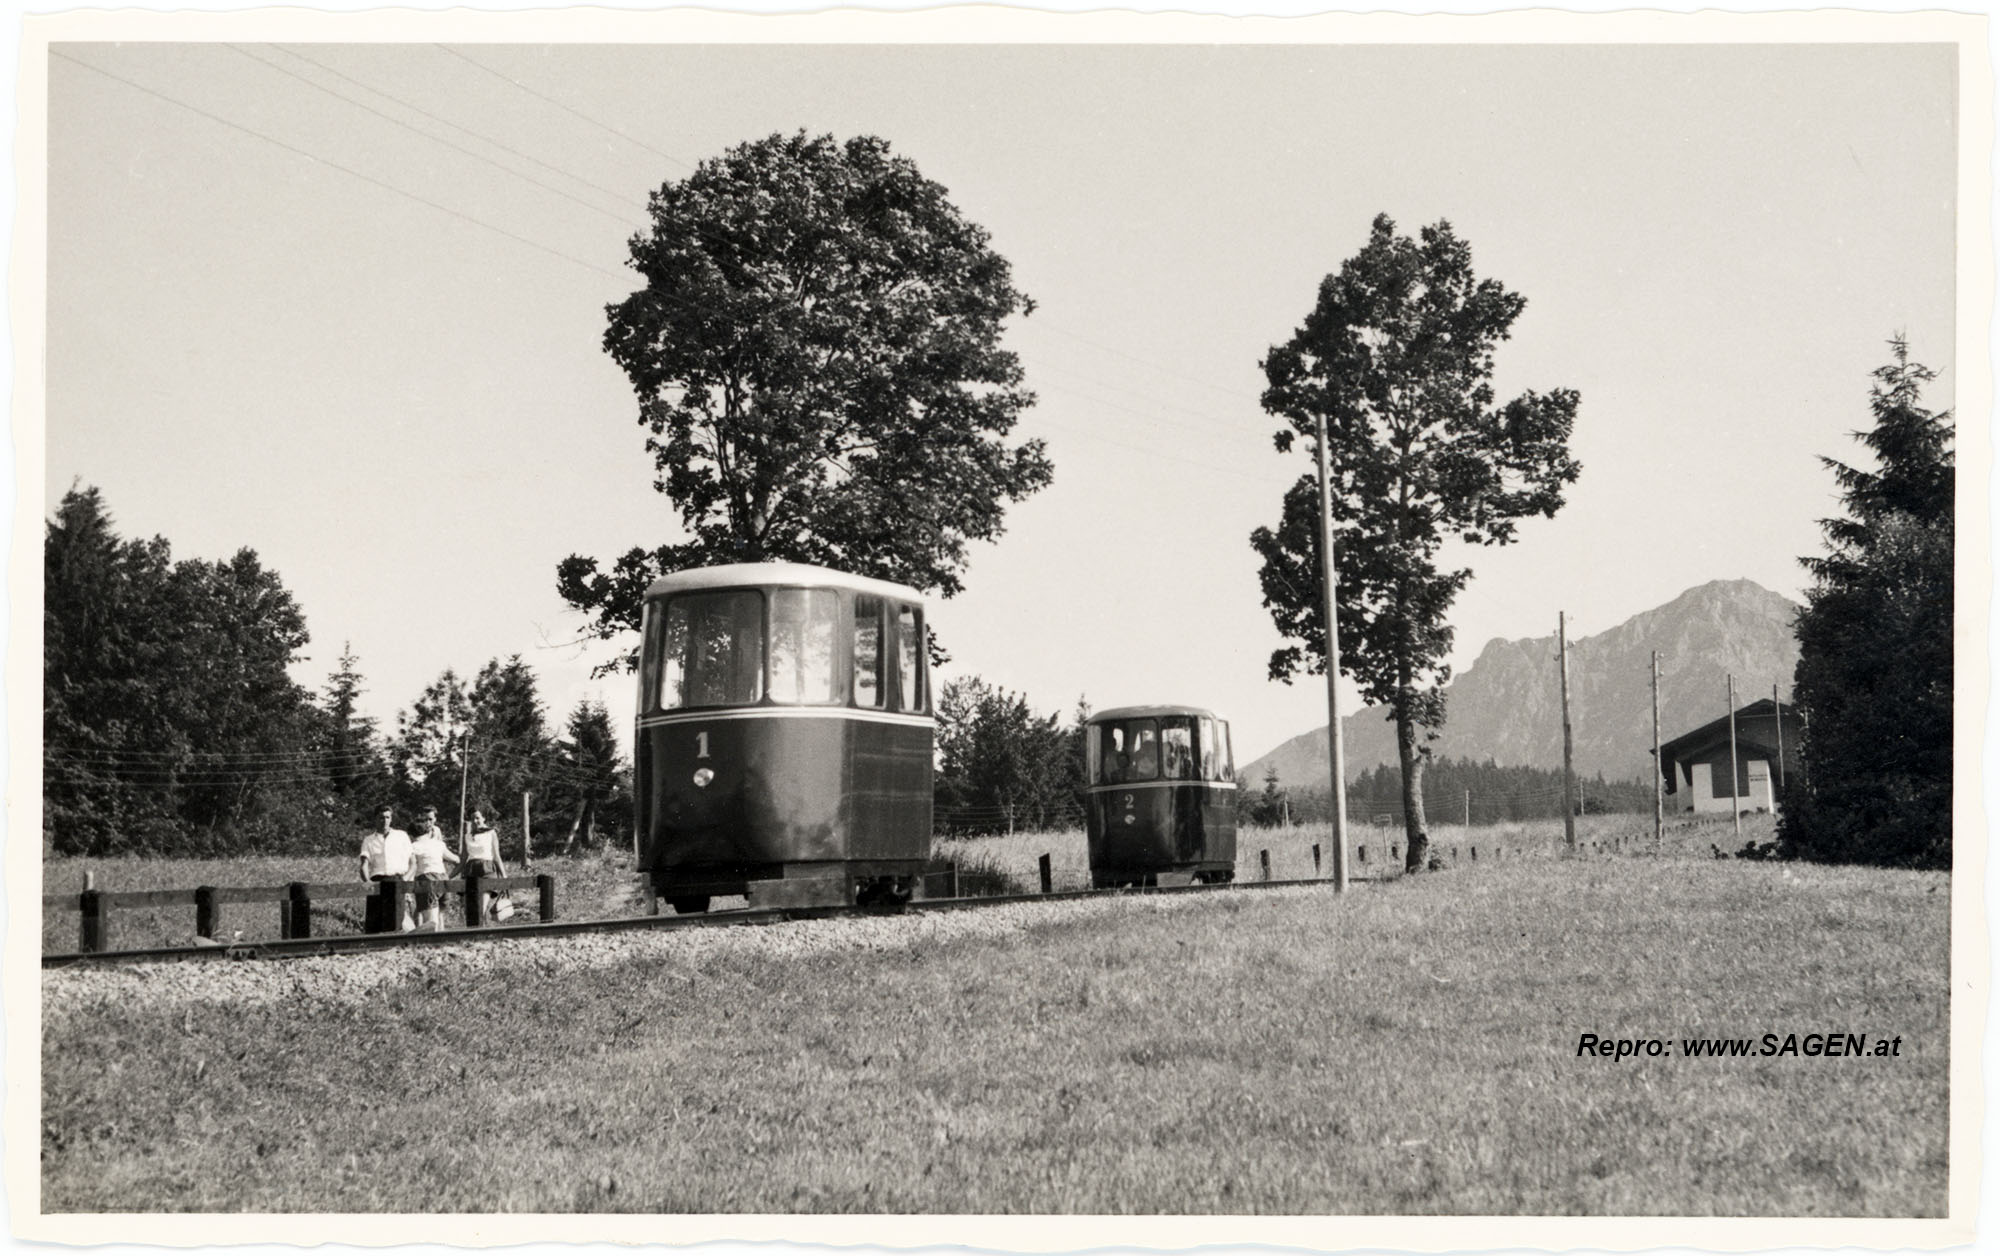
{"x": 385, "y": 856}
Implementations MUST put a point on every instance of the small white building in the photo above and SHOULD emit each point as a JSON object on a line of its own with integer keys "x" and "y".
{"x": 1696, "y": 765}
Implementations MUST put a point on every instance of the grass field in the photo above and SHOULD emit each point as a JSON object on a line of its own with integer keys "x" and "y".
{"x": 1409, "y": 1048}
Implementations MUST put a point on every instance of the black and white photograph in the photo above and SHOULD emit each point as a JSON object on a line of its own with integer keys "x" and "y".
{"x": 1022, "y": 630}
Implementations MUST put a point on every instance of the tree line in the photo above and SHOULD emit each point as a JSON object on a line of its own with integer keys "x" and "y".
{"x": 172, "y": 725}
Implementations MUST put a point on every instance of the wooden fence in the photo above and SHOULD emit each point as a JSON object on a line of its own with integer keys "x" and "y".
{"x": 99, "y": 908}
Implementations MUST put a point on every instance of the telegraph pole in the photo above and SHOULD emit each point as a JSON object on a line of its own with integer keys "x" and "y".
{"x": 1735, "y": 809}
{"x": 464, "y": 771}
{"x": 1569, "y": 785}
{"x": 1659, "y": 766}
{"x": 1778, "y": 718}
{"x": 1336, "y": 751}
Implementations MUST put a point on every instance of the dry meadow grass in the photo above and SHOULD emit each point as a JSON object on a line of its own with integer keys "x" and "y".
{"x": 1408, "y": 1048}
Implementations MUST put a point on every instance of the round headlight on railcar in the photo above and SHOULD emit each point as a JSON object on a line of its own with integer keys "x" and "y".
{"x": 702, "y": 776}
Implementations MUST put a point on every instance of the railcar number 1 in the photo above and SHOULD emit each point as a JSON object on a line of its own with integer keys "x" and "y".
{"x": 701, "y": 744}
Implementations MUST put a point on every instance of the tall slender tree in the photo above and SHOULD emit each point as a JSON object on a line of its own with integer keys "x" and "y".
{"x": 1396, "y": 357}
{"x": 816, "y": 357}
{"x": 1875, "y": 670}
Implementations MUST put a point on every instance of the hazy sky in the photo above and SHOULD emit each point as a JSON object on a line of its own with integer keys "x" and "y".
{"x": 275, "y": 320}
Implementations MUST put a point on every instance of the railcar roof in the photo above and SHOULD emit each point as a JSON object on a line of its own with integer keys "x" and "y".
{"x": 782, "y": 575}
{"x": 1148, "y": 712}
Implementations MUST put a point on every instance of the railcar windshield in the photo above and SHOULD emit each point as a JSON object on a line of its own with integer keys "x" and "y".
{"x": 1127, "y": 750}
{"x": 803, "y": 625}
{"x": 867, "y": 651}
{"x": 711, "y": 650}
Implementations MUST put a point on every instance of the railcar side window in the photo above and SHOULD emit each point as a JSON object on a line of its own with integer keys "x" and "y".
{"x": 803, "y": 623}
{"x": 910, "y": 659}
{"x": 867, "y": 651}
{"x": 1222, "y": 748}
{"x": 649, "y": 657}
{"x": 1210, "y": 763}
{"x": 1177, "y": 747}
{"x": 712, "y": 650}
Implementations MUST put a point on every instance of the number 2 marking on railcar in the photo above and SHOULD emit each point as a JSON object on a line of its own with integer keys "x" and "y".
{"x": 701, "y": 744}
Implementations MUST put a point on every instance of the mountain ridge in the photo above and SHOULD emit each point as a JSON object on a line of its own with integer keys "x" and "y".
{"x": 1506, "y": 706}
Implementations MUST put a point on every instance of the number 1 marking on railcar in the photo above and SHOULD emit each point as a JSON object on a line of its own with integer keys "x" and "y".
{"x": 701, "y": 744}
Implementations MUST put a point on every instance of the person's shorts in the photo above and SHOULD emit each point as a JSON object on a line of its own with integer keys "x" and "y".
{"x": 428, "y": 893}
{"x": 479, "y": 868}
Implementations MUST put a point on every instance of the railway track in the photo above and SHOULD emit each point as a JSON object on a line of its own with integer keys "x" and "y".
{"x": 295, "y": 948}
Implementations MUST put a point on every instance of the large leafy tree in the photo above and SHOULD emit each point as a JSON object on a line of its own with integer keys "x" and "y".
{"x": 1874, "y": 678}
{"x": 1397, "y": 358}
{"x": 170, "y": 722}
{"x": 816, "y": 356}
{"x": 1000, "y": 765}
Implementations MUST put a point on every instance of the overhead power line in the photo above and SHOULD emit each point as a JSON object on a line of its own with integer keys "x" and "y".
{"x": 459, "y": 127}
{"x": 418, "y": 131}
{"x": 334, "y": 165}
{"x": 567, "y": 108}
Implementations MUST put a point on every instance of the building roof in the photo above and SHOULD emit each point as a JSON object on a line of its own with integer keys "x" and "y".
{"x": 780, "y": 575}
{"x": 1148, "y": 712}
{"x": 1718, "y": 730}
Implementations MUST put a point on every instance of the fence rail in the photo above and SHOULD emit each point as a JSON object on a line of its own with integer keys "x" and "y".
{"x": 98, "y": 908}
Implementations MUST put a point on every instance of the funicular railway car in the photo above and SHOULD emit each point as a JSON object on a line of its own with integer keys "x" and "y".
{"x": 1161, "y": 791}
{"x": 784, "y": 737}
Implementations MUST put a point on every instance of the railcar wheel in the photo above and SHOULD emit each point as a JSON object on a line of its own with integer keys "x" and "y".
{"x": 885, "y": 892}
{"x": 691, "y": 905}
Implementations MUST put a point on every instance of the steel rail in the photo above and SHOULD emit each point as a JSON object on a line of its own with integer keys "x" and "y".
{"x": 354, "y": 943}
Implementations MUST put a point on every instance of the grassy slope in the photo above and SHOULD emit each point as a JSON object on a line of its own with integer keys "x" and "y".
{"x": 1409, "y": 1049}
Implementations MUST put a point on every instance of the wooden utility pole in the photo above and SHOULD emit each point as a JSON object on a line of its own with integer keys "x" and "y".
{"x": 464, "y": 771}
{"x": 1735, "y": 810}
{"x": 1778, "y": 718}
{"x": 1336, "y": 751}
{"x": 527, "y": 832}
{"x": 1569, "y": 784}
{"x": 1659, "y": 766}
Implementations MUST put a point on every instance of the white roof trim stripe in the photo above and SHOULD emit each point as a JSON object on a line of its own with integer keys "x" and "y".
{"x": 784, "y": 575}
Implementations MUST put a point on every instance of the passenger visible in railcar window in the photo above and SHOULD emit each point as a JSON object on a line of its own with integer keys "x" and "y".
{"x": 1177, "y": 746}
{"x": 1145, "y": 757}
{"x": 867, "y": 651}
{"x": 910, "y": 647}
{"x": 1113, "y": 764}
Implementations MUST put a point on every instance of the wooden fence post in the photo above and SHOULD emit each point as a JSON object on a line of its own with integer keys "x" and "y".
{"x": 1048, "y": 875}
{"x": 207, "y": 912}
{"x": 1362, "y": 851}
{"x": 1264, "y": 861}
{"x": 95, "y": 931}
{"x": 475, "y": 902}
{"x": 545, "y": 885}
{"x": 392, "y": 914}
{"x": 1475, "y": 854}
{"x": 1315, "y": 858}
{"x": 952, "y": 868}
{"x": 302, "y": 913}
